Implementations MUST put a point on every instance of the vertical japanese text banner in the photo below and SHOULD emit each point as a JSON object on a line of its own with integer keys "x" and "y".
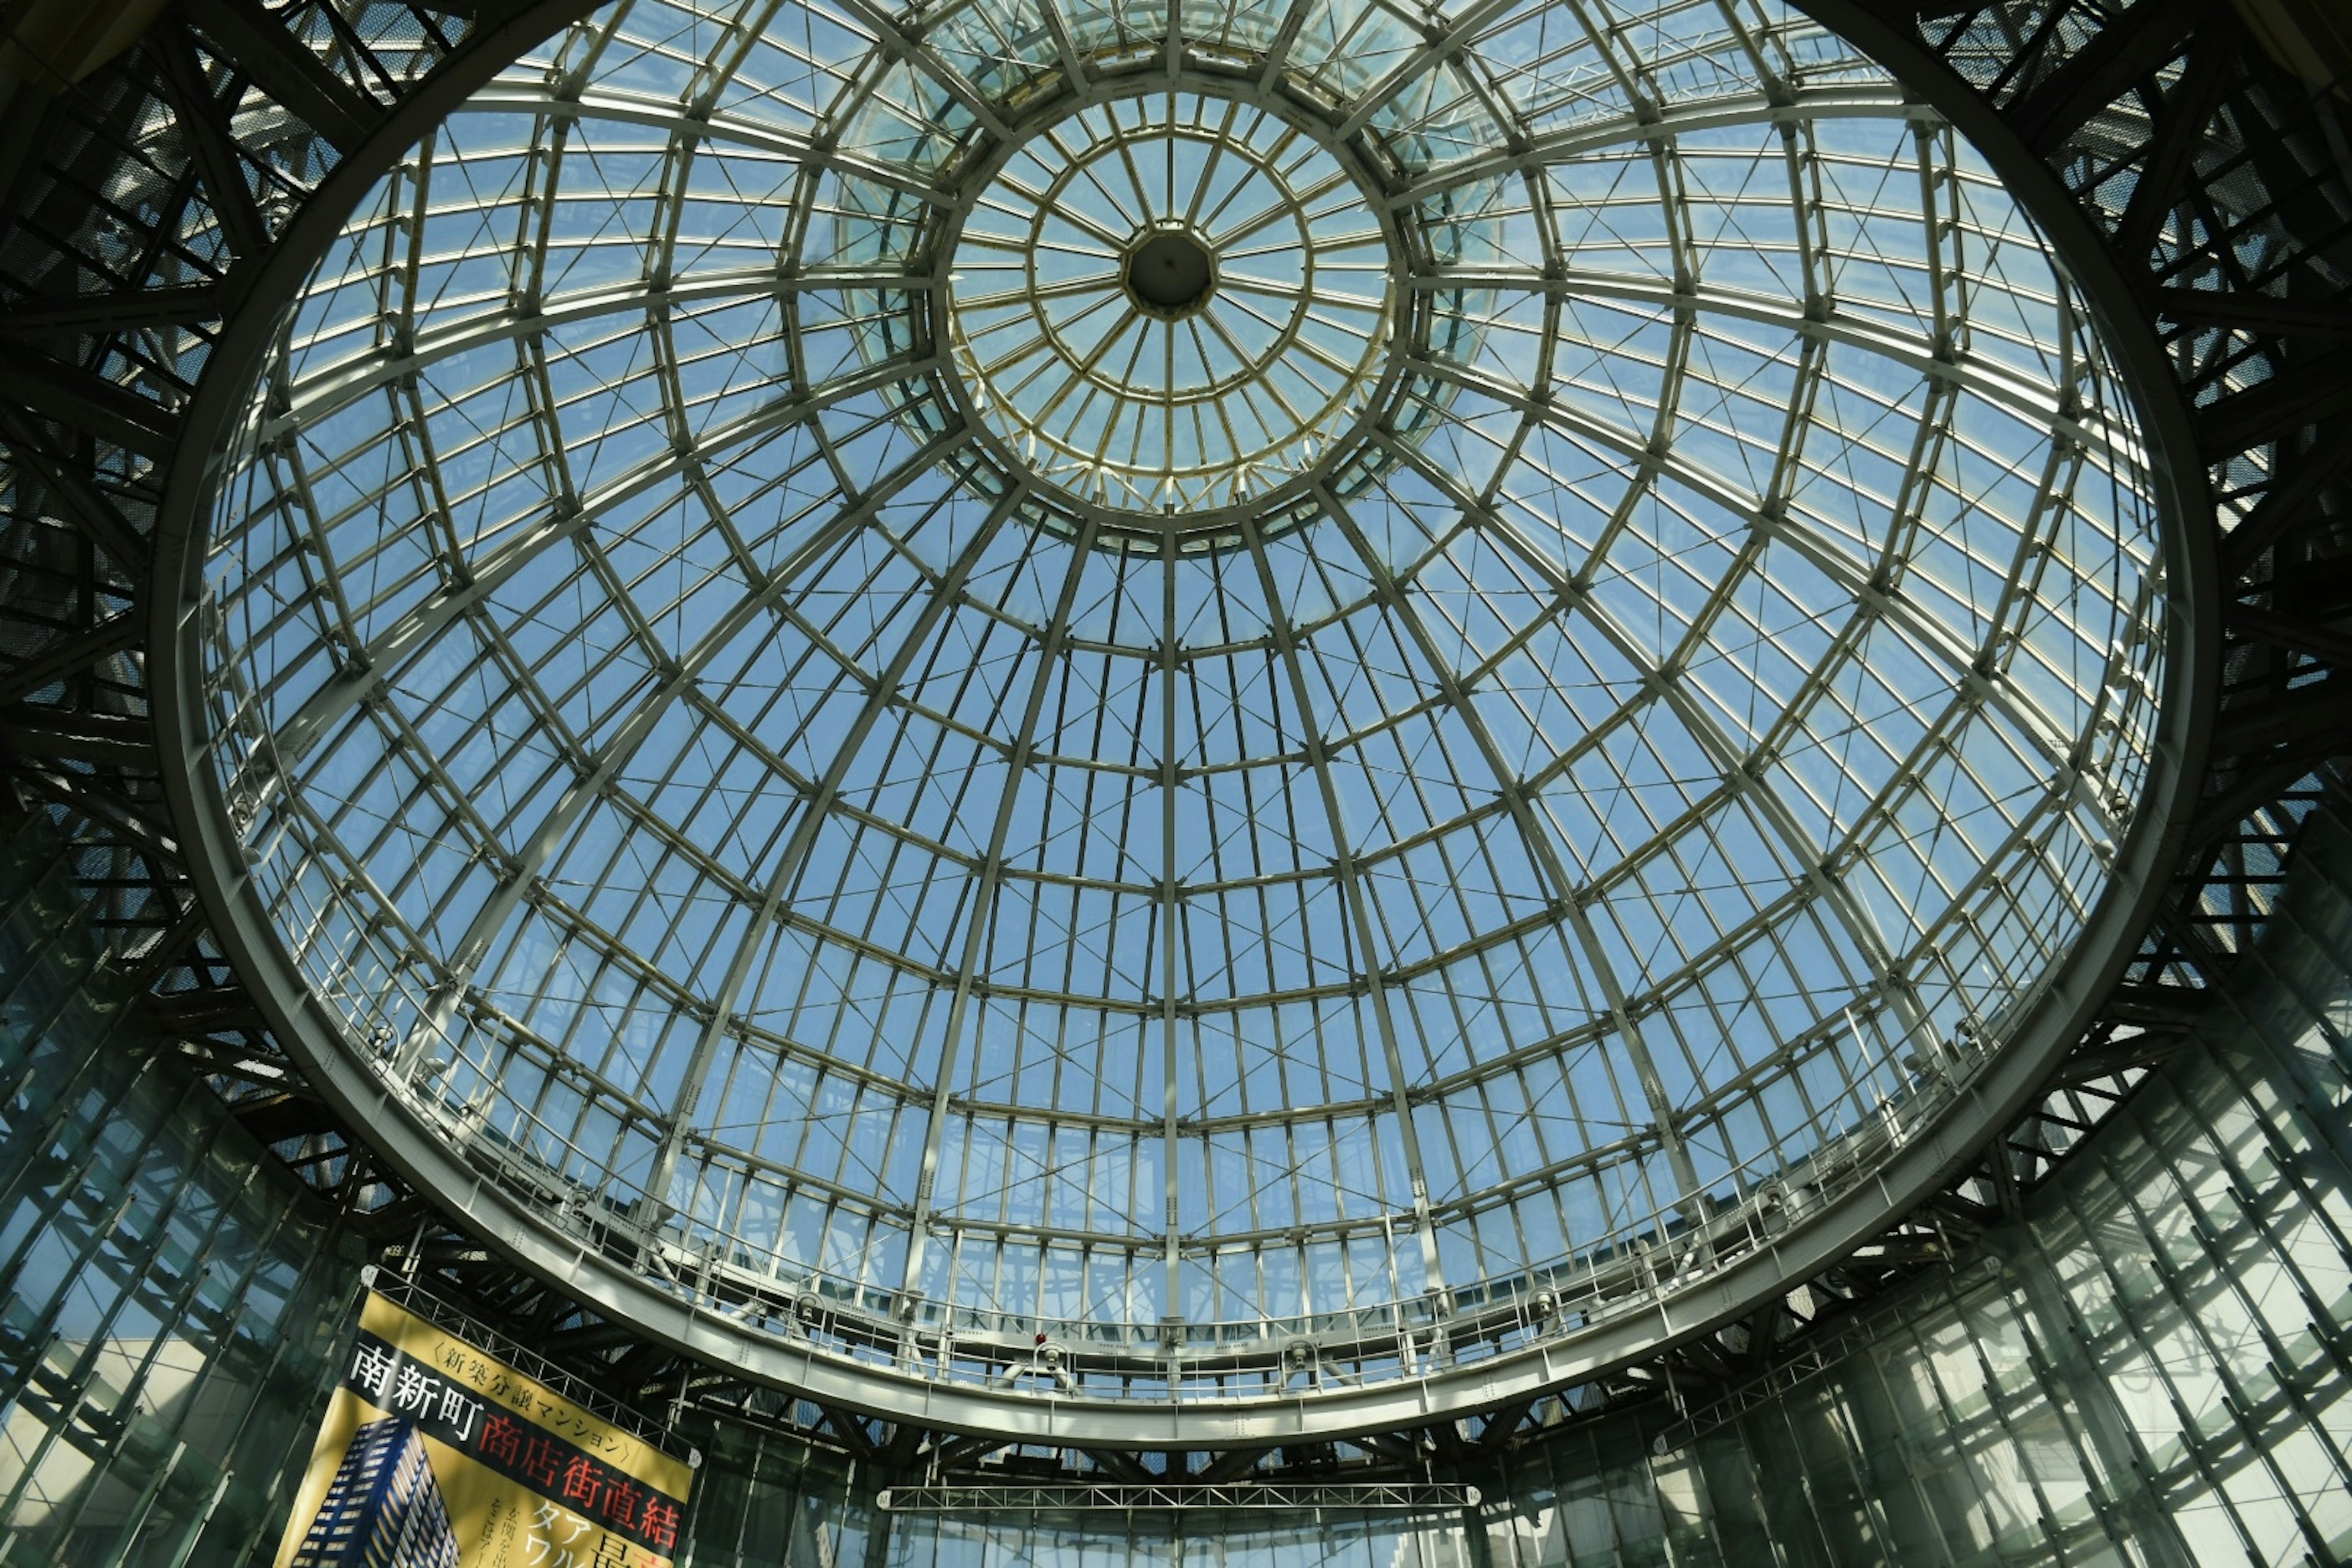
{"x": 436, "y": 1453}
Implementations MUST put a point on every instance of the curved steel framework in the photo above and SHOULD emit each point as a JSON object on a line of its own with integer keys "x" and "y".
{"x": 156, "y": 190}
{"x": 1172, "y": 302}
{"x": 1296, "y": 864}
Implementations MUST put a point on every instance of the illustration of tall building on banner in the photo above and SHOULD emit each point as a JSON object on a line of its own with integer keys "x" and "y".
{"x": 383, "y": 1509}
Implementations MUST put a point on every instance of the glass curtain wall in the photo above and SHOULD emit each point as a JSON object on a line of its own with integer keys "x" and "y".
{"x": 170, "y": 1305}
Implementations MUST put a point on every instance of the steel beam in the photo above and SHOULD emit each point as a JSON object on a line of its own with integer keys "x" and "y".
{"x": 112, "y": 314}
{"x": 219, "y": 161}
{"x": 1292, "y": 1497}
{"x": 2145, "y": 35}
{"x": 70, "y": 655}
{"x": 259, "y": 44}
{"x": 81, "y": 399}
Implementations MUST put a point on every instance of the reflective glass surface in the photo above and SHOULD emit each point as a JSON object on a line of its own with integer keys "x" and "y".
{"x": 173, "y": 1302}
{"x": 778, "y": 686}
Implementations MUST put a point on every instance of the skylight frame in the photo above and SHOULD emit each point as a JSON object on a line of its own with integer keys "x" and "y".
{"x": 1973, "y": 379}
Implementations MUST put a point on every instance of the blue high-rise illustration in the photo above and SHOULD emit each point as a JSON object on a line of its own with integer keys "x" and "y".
{"x": 383, "y": 1509}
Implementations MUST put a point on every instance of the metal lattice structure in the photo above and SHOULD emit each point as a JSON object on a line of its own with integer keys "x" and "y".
{"x": 1273, "y": 860}
{"x": 2208, "y": 175}
{"x": 1387, "y": 1497}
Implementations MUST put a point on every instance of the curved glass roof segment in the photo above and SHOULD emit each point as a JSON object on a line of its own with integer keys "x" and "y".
{"x": 1141, "y": 400}
{"x": 1543, "y": 703}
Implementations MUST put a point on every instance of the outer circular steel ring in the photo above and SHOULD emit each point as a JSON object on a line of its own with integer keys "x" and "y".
{"x": 312, "y": 1035}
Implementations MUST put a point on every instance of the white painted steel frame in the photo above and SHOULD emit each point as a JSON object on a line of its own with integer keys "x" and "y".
{"x": 1379, "y": 1364}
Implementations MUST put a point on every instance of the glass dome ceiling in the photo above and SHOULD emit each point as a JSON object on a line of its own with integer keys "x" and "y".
{"x": 999, "y": 669}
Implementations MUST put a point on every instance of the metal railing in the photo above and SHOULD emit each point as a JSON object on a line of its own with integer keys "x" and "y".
{"x": 1058, "y": 1497}
{"x": 1176, "y": 1360}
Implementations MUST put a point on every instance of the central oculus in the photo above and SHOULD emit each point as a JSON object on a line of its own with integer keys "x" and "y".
{"x": 1170, "y": 305}
{"x": 1171, "y": 275}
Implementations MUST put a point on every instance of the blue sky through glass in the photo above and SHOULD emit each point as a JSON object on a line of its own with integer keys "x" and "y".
{"x": 1100, "y": 393}
{"x": 1622, "y": 632}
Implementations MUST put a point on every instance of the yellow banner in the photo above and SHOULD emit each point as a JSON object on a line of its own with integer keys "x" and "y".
{"x": 436, "y": 1453}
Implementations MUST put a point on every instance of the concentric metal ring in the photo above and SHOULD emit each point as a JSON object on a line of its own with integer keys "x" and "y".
{"x": 1169, "y": 272}
{"x": 1695, "y": 767}
{"x": 1250, "y": 380}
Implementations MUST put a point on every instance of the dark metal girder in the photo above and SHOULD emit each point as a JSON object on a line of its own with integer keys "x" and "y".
{"x": 851, "y": 1431}
{"x": 483, "y": 13}
{"x": 1957, "y": 1207}
{"x": 2316, "y": 638}
{"x": 2026, "y": 48}
{"x": 2250, "y": 788}
{"x": 2139, "y": 1002}
{"x": 2318, "y": 715}
{"x": 2188, "y": 111}
{"x": 961, "y": 1451}
{"x": 1703, "y": 1361}
{"x": 2127, "y": 50}
{"x": 2291, "y": 497}
{"x": 643, "y": 1366}
{"x": 906, "y": 1443}
{"x": 1121, "y": 1467}
{"x": 2267, "y": 410}
{"x": 1398, "y": 1447}
{"x": 2316, "y": 587}
{"x": 71, "y": 655}
{"x": 109, "y": 739}
{"x": 1452, "y": 1448}
{"x": 2177, "y": 919}
{"x": 87, "y": 507}
{"x": 1232, "y": 1465}
{"x": 2259, "y": 312}
{"x": 255, "y": 1067}
{"x": 219, "y": 165}
{"x": 275, "y": 1118}
{"x": 142, "y": 824}
{"x": 591, "y": 1338}
{"x": 1501, "y": 1423}
{"x": 171, "y": 943}
{"x": 281, "y": 66}
{"x": 212, "y": 1011}
{"x": 172, "y": 305}
{"x": 2007, "y": 1196}
{"x": 81, "y": 399}
{"x": 449, "y": 1252}
{"x": 2117, "y": 1056}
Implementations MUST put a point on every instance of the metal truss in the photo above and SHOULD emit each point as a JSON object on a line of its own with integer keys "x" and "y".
{"x": 1292, "y": 1497}
{"x": 140, "y": 202}
{"x": 1087, "y": 353}
{"x": 536, "y": 1091}
{"x": 145, "y": 199}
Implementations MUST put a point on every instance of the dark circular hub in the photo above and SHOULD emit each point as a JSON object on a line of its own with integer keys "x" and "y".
{"x": 1171, "y": 275}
